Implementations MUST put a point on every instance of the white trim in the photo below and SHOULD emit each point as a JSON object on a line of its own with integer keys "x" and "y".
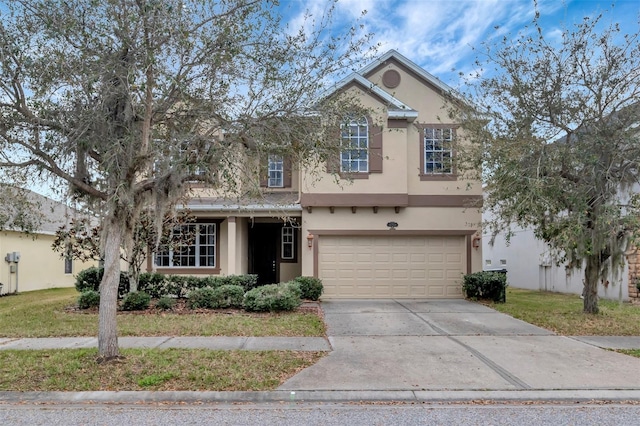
{"x": 409, "y": 64}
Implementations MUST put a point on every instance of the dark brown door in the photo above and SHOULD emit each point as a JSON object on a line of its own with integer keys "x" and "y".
{"x": 264, "y": 241}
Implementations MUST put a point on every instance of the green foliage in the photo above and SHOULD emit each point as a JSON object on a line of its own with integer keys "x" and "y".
{"x": 158, "y": 285}
{"x": 228, "y": 296}
{"x": 154, "y": 284}
{"x": 225, "y": 296}
{"x": 553, "y": 135}
{"x": 165, "y": 303}
{"x": 247, "y": 281}
{"x": 88, "y": 299}
{"x": 272, "y": 297}
{"x": 311, "y": 287}
{"x": 89, "y": 279}
{"x": 485, "y": 285}
{"x": 201, "y": 298}
{"x": 136, "y": 301}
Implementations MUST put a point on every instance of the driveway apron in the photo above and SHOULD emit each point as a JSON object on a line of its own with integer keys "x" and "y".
{"x": 453, "y": 345}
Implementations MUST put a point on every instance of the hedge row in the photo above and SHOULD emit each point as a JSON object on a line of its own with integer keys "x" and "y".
{"x": 267, "y": 298}
{"x": 158, "y": 285}
{"x": 210, "y": 292}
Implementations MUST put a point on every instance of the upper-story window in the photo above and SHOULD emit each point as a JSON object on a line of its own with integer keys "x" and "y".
{"x": 437, "y": 152}
{"x": 275, "y": 172}
{"x": 354, "y": 154}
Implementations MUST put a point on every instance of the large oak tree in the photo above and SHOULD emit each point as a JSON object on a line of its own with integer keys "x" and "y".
{"x": 555, "y": 133}
{"x": 128, "y": 100}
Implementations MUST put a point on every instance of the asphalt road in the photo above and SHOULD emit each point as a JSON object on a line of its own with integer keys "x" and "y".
{"x": 320, "y": 414}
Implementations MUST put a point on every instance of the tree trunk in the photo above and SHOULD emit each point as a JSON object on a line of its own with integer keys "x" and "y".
{"x": 107, "y": 330}
{"x": 591, "y": 277}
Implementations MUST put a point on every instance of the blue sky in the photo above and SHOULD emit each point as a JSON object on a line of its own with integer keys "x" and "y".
{"x": 439, "y": 35}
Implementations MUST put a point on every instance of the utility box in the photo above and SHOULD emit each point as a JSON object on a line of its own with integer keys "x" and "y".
{"x": 13, "y": 257}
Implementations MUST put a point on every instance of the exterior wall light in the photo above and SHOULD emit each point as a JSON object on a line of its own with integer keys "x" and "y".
{"x": 476, "y": 242}
{"x": 310, "y": 240}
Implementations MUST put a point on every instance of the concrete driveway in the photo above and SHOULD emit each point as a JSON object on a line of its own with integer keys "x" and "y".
{"x": 453, "y": 345}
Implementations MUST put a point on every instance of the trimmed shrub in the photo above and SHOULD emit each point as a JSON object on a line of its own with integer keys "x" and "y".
{"x": 311, "y": 287}
{"x": 272, "y": 297}
{"x": 158, "y": 285}
{"x": 154, "y": 284}
{"x": 165, "y": 303}
{"x": 486, "y": 285}
{"x": 89, "y": 279}
{"x": 227, "y": 296}
{"x": 247, "y": 281}
{"x": 88, "y": 299}
{"x": 201, "y": 298}
{"x": 294, "y": 287}
{"x": 136, "y": 301}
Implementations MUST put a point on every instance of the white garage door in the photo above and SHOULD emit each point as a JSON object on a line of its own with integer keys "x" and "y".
{"x": 391, "y": 267}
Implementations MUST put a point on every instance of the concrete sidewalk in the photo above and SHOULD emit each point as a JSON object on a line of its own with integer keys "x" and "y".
{"x": 164, "y": 342}
{"x": 320, "y": 344}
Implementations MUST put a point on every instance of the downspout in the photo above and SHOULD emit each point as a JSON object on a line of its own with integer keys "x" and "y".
{"x": 297, "y": 201}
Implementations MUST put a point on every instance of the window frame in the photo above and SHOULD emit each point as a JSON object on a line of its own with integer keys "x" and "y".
{"x": 68, "y": 260}
{"x": 451, "y": 173}
{"x": 170, "y": 254}
{"x": 277, "y": 160}
{"x": 293, "y": 244}
{"x": 360, "y": 123}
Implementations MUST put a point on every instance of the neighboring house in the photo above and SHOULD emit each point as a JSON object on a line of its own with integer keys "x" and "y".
{"x": 389, "y": 218}
{"x": 38, "y": 266}
{"x": 529, "y": 265}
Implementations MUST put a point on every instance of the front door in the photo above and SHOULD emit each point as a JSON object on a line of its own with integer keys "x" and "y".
{"x": 264, "y": 244}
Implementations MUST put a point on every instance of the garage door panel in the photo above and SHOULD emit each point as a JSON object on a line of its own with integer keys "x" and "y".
{"x": 399, "y": 266}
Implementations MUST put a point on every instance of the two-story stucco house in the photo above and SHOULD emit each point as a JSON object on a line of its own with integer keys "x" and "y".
{"x": 390, "y": 218}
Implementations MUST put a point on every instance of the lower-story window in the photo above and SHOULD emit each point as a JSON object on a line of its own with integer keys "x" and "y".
{"x": 288, "y": 249}
{"x": 195, "y": 247}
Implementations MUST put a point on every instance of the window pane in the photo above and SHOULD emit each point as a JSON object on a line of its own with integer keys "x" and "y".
{"x": 437, "y": 150}
{"x": 355, "y": 146}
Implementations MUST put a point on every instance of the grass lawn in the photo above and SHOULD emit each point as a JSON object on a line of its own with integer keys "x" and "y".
{"x": 562, "y": 314}
{"x": 43, "y": 314}
{"x": 150, "y": 369}
{"x": 46, "y": 314}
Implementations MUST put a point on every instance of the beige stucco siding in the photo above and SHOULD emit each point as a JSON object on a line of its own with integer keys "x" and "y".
{"x": 39, "y": 267}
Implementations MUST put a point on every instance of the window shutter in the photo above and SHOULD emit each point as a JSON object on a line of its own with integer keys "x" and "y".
{"x": 264, "y": 171}
{"x": 286, "y": 172}
{"x": 375, "y": 149}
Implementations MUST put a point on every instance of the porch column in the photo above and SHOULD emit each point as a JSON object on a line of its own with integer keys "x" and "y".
{"x": 231, "y": 245}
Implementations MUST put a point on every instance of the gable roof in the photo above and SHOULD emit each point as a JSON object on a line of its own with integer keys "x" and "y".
{"x": 412, "y": 66}
{"x": 395, "y": 107}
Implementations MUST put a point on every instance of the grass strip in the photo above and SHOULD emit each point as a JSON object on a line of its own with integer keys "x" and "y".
{"x": 150, "y": 369}
{"x": 632, "y": 352}
{"x": 562, "y": 314}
